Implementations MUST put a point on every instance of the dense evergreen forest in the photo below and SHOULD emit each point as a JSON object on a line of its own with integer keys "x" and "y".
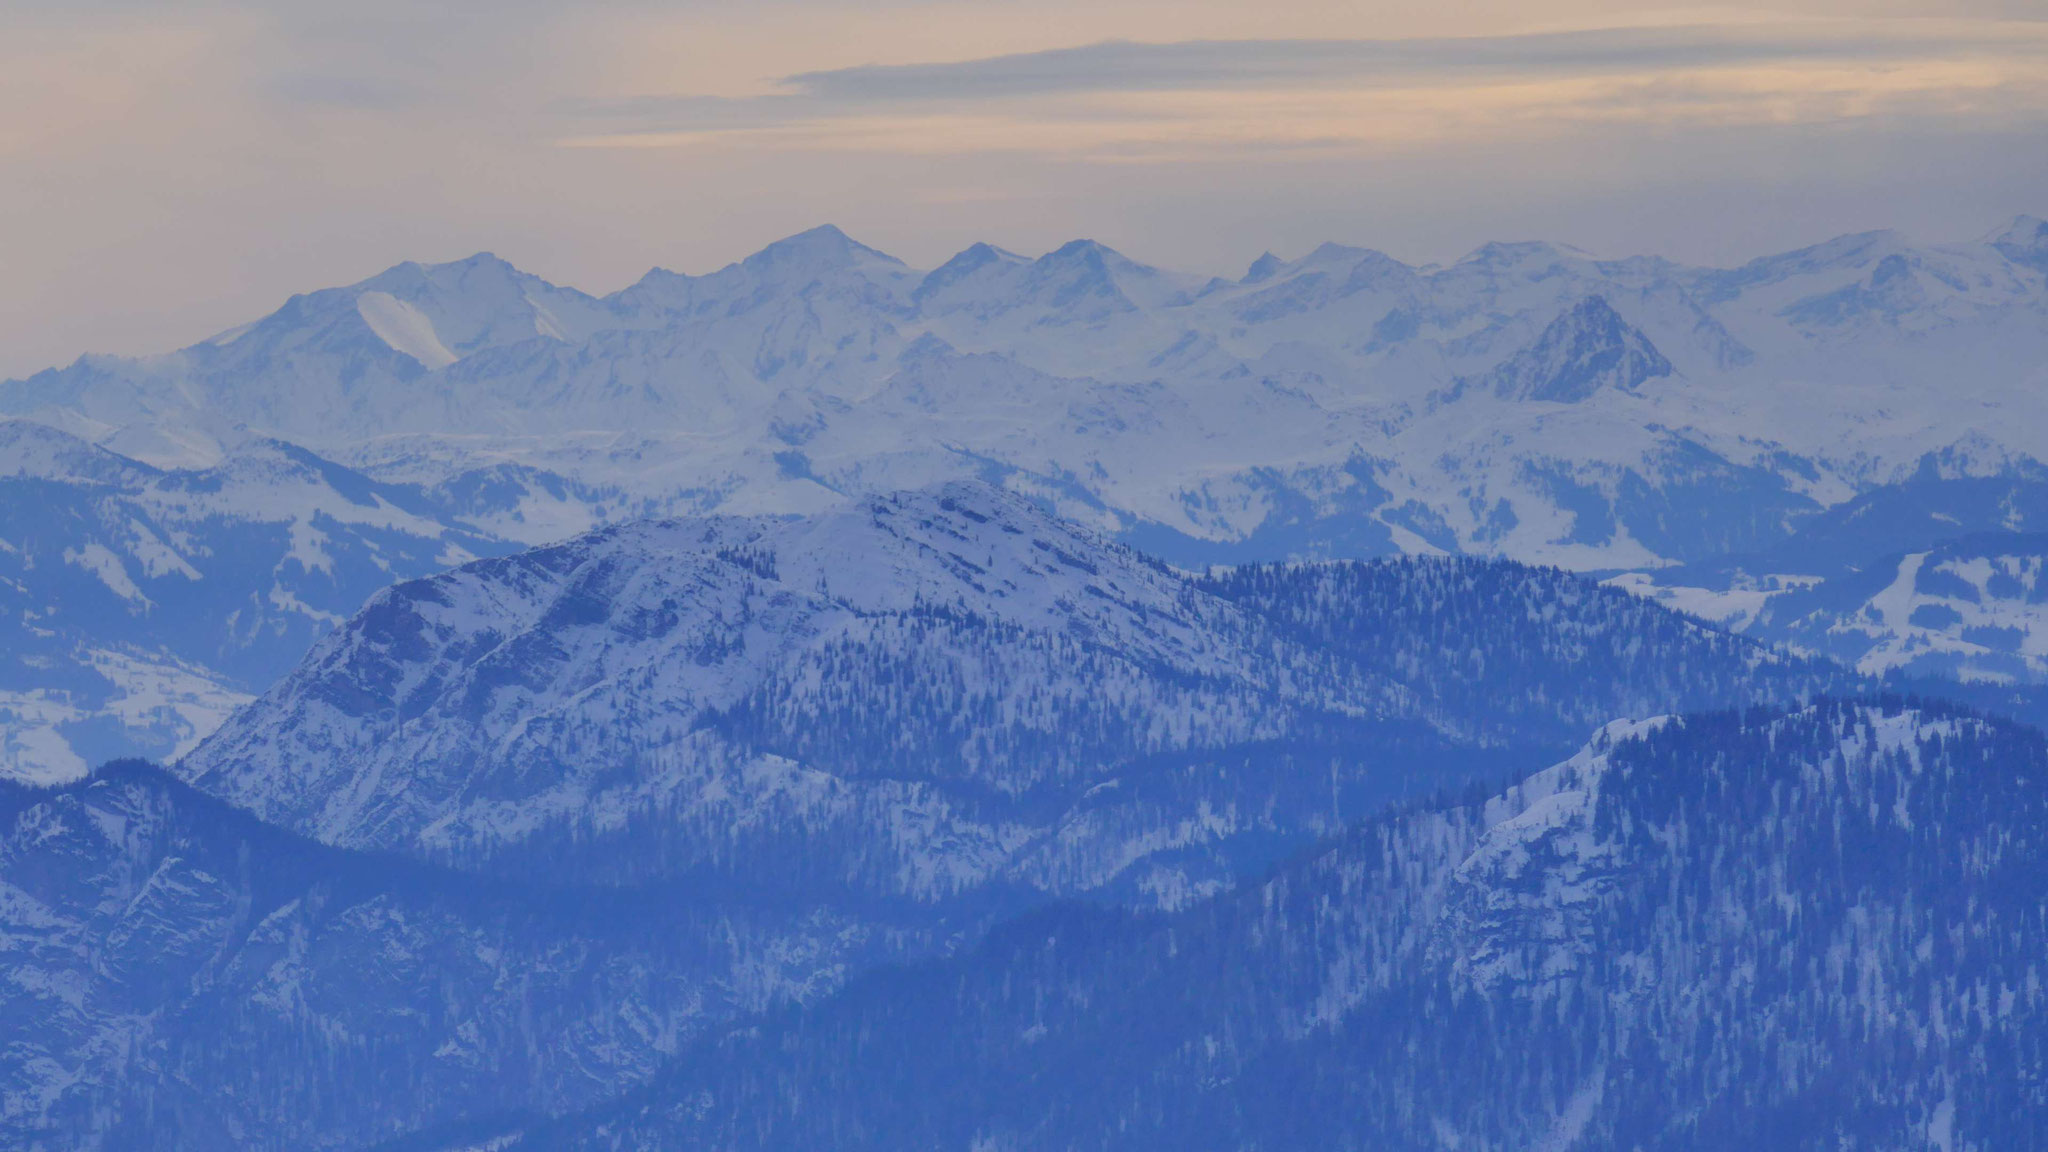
{"x": 1806, "y": 929}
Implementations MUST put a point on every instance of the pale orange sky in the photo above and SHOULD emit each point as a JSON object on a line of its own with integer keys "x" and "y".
{"x": 170, "y": 170}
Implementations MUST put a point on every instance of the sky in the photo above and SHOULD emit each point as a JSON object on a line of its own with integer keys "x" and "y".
{"x": 171, "y": 169}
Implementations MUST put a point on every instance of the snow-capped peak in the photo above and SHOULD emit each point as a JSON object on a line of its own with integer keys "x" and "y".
{"x": 819, "y": 249}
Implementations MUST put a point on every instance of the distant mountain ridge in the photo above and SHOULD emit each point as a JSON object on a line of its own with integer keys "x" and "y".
{"x": 825, "y": 703}
{"x": 1207, "y": 408}
{"x": 1528, "y": 401}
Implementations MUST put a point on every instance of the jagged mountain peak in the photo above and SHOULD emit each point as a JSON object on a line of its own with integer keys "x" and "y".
{"x": 475, "y": 264}
{"x": 1587, "y": 349}
{"x": 1092, "y": 253}
{"x": 1097, "y": 259}
{"x": 1081, "y": 281}
{"x": 824, "y": 258}
{"x": 1331, "y": 252}
{"x": 429, "y": 315}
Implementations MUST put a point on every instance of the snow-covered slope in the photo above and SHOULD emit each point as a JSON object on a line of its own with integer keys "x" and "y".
{"x": 1528, "y": 400}
{"x": 940, "y": 680}
{"x": 1974, "y": 608}
{"x": 931, "y": 693}
{"x": 1936, "y": 576}
{"x": 138, "y": 607}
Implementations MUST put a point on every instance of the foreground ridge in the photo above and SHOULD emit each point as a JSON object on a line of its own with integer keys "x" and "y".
{"x": 1789, "y": 928}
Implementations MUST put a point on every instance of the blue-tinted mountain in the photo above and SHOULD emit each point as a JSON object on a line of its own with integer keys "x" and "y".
{"x": 929, "y": 693}
{"x": 1174, "y": 402}
{"x": 663, "y": 777}
{"x": 138, "y": 606}
{"x": 1821, "y": 928}
{"x": 182, "y": 976}
{"x": 1583, "y": 351}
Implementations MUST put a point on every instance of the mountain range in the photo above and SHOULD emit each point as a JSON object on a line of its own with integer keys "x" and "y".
{"x": 1793, "y": 929}
{"x": 1683, "y": 427}
{"x": 1538, "y": 701}
{"x": 517, "y": 834}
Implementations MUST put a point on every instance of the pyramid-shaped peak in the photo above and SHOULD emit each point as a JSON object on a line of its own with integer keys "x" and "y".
{"x": 965, "y": 263}
{"x": 657, "y": 277}
{"x": 981, "y": 253}
{"x": 927, "y": 347}
{"x": 1072, "y": 251}
{"x": 1092, "y": 256}
{"x": 974, "y": 278}
{"x": 1589, "y": 348}
{"x": 823, "y": 246}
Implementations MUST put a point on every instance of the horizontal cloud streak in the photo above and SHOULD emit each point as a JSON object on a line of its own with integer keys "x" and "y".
{"x": 1208, "y": 65}
{"x": 1125, "y": 99}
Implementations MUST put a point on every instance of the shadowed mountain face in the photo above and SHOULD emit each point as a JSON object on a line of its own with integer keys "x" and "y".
{"x": 1583, "y": 351}
{"x": 1799, "y": 929}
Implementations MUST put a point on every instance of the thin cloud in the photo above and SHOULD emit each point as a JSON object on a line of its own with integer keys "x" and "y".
{"x": 1122, "y": 100}
{"x": 1122, "y": 66}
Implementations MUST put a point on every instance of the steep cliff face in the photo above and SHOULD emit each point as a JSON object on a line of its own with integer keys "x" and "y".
{"x": 1789, "y": 929}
